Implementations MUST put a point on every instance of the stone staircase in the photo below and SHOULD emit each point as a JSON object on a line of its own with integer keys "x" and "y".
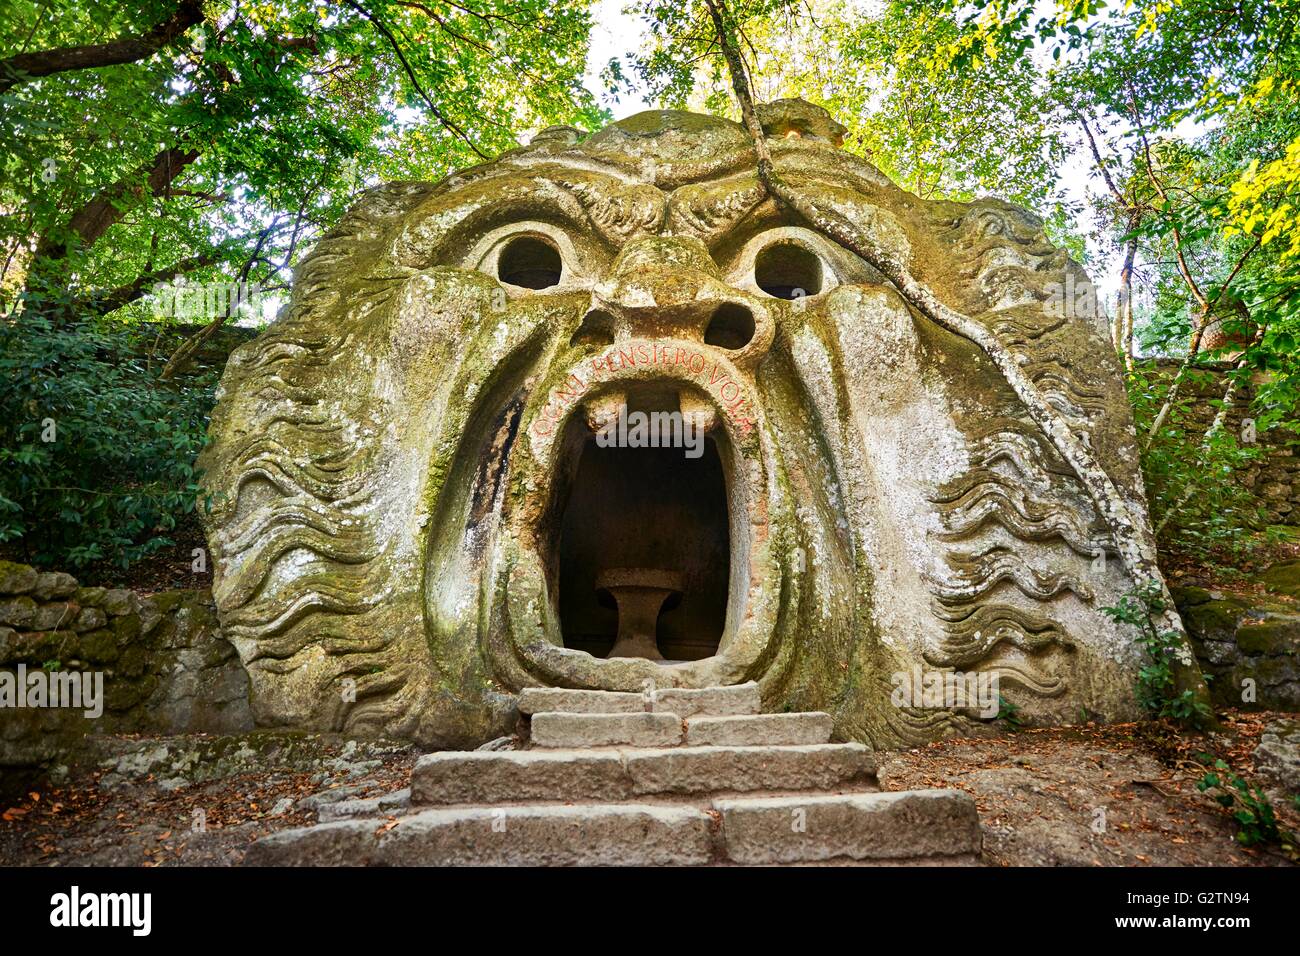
{"x": 685, "y": 777}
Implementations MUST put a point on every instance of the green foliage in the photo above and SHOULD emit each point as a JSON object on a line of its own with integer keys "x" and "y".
{"x": 1157, "y": 687}
{"x": 938, "y": 132}
{"x": 96, "y": 456}
{"x": 1248, "y": 805}
{"x": 220, "y": 156}
{"x": 1194, "y": 475}
{"x": 283, "y": 109}
{"x": 1009, "y": 713}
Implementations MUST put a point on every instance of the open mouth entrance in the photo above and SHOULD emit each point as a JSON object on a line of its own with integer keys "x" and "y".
{"x": 643, "y": 560}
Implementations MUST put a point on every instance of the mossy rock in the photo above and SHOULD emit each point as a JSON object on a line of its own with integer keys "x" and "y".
{"x": 1271, "y": 636}
{"x": 90, "y": 597}
{"x": 123, "y": 693}
{"x": 1215, "y": 620}
{"x": 1283, "y": 578}
{"x": 16, "y": 578}
{"x": 100, "y": 647}
{"x": 1189, "y": 596}
{"x": 126, "y": 628}
{"x": 1273, "y": 671}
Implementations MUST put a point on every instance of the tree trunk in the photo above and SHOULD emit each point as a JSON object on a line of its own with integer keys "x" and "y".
{"x": 44, "y": 289}
{"x": 1124, "y": 305}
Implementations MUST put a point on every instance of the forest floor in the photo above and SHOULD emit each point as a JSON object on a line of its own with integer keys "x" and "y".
{"x": 1116, "y": 795}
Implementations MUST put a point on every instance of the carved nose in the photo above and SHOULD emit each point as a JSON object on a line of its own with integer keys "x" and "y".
{"x": 670, "y": 286}
{"x": 656, "y": 254}
{"x": 658, "y": 274}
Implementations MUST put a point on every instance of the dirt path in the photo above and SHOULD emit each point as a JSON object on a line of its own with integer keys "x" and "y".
{"x": 1118, "y": 795}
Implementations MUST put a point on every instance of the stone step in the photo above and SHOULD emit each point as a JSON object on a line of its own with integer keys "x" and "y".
{"x": 584, "y": 835}
{"x": 606, "y": 730}
{"x": 469, "y": 777}
{"x": 685, "y": 702}
{"x": 754, "y": 730}
{"x": 934, "y": 825}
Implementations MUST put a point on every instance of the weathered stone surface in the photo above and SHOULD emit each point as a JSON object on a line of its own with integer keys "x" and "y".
{"x": 175, "y": 762}
{"x": 89, "y": 619}
{"x": 1278, "y": 754}
{"x": 54, "y": 617}
{"x": 18, "y": 611}
{"x": 607, "y": 775}
{"x": 711, "y": 769}
{"x": 606, "y": 730}
{"x": 1283, "y": 578}
{"x": 865, "y": 826}
{"x": 90, "y": 597}
{"x": 535, "y": 700}
{"x": 882, "y": 501}
{"x": 181, "y": 675}
{"x": 684, "y": 702}
{"x": 396, "y": 802}
{"x": 736, "y": 699}
{"x": 1249, "y": 644}
{"x": 483, "y": 776}
{"x": 120, "y": 601}
{"x": 52, "y": 585}
{"x": 16, "y": 578}
{"x": 625, "y": 835}
{"x": 757, "y": 730}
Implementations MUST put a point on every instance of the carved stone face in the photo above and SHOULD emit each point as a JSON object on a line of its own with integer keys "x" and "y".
{"x": 426, "y": 501}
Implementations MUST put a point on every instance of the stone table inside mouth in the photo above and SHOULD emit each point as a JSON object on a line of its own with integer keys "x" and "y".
{"x": 639, "y": 594}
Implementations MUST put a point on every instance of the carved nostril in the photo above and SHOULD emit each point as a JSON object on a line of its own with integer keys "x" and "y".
{"x": 732, "y": 327}
{"x": 597, "y": 329}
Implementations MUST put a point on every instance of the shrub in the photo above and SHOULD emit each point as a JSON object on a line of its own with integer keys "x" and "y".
{"x": 1157, "y": 686}
{"x": 96, "y": 455}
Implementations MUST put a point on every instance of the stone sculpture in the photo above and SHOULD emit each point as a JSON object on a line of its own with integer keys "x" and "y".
{"x": 414, "y": 519}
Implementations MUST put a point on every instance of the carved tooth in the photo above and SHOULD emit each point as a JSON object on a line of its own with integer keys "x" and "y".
{"x": 701, "y": 413}
{"x": 604, "y": 409}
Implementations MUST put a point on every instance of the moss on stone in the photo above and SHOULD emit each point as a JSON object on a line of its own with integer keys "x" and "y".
{"x": 1272, "y": 636}
{"x": 1283, "y": 578}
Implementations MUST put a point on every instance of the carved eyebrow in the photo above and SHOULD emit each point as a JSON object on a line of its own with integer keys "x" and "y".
{"x": 452, "y": 223}
{"x": 711, "y": 210}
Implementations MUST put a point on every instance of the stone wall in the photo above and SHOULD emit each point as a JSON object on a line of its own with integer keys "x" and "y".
{"x": 1248, "y": 644}
{"x": 1275, "y": 479}
{"x": 166, "y": 667}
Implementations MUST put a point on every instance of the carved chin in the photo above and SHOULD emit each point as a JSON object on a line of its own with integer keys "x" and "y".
{"x": 641, "y": 551}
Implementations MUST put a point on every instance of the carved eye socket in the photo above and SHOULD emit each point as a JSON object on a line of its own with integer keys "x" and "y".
{"x": 786, "y": 270}
{"x": 731, "y": 327}
{"x": 530, "y": 262}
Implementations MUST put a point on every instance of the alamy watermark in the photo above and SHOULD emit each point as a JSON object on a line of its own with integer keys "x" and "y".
{"x": 78, "y": 690}
{"x": 206, "y": 300}
{"x": 947, "y": 690}
{"x": 652, "y": 430}
{"x": 74, "y": 908}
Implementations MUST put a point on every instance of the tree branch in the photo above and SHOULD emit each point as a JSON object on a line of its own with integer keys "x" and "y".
{"x": 29, "y": 66}
{"x": 184, "y": 354}
{"x": 139, "y": 287}
{"x": 392, "y": 41}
